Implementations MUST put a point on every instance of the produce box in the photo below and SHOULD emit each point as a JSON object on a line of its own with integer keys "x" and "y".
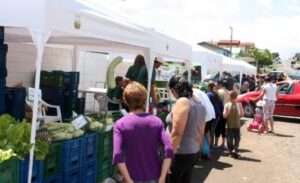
{"x": 72, "y": 154}
{"x": 3, "y": 52}
{"x": 37, "y": 171}
{"x": 104, "y": 170}
{"x": 9, "y": 171}
{"x": 52, "y": 162}
{"x": 2, "y": 96}
{"x": 55, "y": 79}
{"x": 57, "y": 178}
{"x": 72, "y": 176}
{"x": 15, "y": 102}
{"x": 90, "y": 148}
{"x": 105, "y": 146}
{"x": 89, "y": 172}
{"x": 1, "y": 34}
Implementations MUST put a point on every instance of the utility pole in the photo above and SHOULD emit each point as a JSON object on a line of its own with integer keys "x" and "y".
{"x": 231, "y": 31}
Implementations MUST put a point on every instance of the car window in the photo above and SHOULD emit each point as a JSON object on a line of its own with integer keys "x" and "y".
{"x": 283, "y": 88}
{"x": 291, "y": 89}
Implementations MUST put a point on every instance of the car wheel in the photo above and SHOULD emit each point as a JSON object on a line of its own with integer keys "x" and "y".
{"x": 248, "y": 110}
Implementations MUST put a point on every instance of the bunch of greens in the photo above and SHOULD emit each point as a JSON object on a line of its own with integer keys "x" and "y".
{"x": 16, "y": 136}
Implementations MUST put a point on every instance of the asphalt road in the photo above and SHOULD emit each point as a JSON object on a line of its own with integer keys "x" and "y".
{"x": 264, "y": 157}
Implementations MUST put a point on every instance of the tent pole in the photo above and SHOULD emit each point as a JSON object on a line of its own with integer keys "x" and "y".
{"x": 39, "y": 37}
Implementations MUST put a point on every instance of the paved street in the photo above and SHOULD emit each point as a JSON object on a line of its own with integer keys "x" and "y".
{"x": 264, "y": 158}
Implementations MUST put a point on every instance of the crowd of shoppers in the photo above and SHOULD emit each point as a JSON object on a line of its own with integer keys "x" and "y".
{"x": 139, "y": 135}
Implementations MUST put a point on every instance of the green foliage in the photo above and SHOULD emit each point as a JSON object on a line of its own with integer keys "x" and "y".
{"x": 6, "y": 154}
{"x": 275, "y": 55}
{"x": 16, "y": 136}
{"x": 297, "y": 56}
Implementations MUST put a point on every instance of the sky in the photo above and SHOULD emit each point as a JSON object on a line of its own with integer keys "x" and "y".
{"x": 270, "y": 24}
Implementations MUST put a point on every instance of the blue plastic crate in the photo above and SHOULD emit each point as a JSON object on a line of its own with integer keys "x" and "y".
{"x": 54, "y": 179}
{"x": 89, "y": 172}
{"x": 37, "y": 171}
{"x": 3, "y": 52}
{"x": 2, "y": 96}
{"x": 53, "y": 95}
{"x": 80, "y": 106}
{"x": 72, "y": 154}
{"x": 73, "y": 176}
{"x": 1, "y": 35}
{"x": 15, "y": 102}
{"x": 90, "y": 147}
{"x": 71, "y": 79}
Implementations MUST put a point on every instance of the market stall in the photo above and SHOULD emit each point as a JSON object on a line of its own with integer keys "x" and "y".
{"x": 209, "y": 61}
{"x": 62, "y": 22}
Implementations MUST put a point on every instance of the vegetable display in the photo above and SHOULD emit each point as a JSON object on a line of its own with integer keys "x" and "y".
{"x": 15, "y": 139}
{"x": 62, "y": 131}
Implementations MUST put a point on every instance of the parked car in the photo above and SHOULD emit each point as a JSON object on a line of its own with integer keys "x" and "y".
{"x": 276, "y": 74}
{"x": 295, "y": 75}
{"x": 287, "y": 104}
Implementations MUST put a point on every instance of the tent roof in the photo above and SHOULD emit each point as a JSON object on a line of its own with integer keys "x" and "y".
{"x": 97, "y": 27}
{"x": 206, "y": 57}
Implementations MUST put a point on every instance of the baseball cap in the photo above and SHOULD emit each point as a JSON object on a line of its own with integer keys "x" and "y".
{"x": 158, "y": 60}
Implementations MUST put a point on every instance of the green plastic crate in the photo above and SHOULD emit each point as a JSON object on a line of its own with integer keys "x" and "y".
{"x": 104, "y": 170}
{"x": 105, "y": 145}
{"x": 52, "y": 78}
{"x": 53, "y": 160}
{"x": 10, "y": 171}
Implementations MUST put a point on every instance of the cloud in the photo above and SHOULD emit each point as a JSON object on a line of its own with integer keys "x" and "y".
{"x": 202, "y": 20}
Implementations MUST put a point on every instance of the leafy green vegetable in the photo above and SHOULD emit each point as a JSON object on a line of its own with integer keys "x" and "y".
{"x": 6, "y": 154}
{"x": 16, "y": 136}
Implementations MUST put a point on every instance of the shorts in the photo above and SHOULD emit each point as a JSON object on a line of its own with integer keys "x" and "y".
{"x": 208, "y": 126}
{"x": 268, "y": 109}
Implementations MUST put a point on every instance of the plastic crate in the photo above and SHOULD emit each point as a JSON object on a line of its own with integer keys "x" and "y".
{"x": 71, "y": 79}
{"x": 73, "y": 176}
{"x": 105, "y": 145}
{"x": 104, "y": 170}
{"x": 89, "y": 172}
{"x": 54, "y": 96}
{"x": 80, "y": 106}
{"x": 52, "y": 161}
{"x": 72, "y": 154}
{"x": 15, "y": 102}
{"x": 37, "y": 171}
{"x": 57, "y": 178}
{"x": 2, "y": 96}
{"x": 9, "y": 171}
{"x": 3, "y": 52}
{"x": 90, "y": 147}
{"x": 55, "y": 79}
{"x": 1, "y": 35}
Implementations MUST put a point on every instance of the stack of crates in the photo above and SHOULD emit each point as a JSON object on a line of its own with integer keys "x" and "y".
{"x": 89, "y": 168}
{"x": 15, "y": 102}
{"x": 9, "y": 171}
{"x": 3, "y": 70}
{"x": 72, "y": 160}
{"x": 60, "y": 88}
{"x": 105, "y": 151}
{"x": 37, "y": 171}
{"x": 52, "y": 164}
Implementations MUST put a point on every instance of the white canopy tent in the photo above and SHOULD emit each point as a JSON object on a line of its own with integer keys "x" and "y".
{"x": 65, "y": 22}
{"x": 209, "y": 60}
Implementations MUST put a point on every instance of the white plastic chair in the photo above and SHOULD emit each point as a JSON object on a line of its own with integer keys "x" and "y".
{"x": 103, "y": 101}
{"x": 42, "y": 108}
{"x": 164, "y": 94}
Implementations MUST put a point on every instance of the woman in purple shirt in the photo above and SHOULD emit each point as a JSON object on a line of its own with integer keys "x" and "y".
{"x": 136, "y": 140}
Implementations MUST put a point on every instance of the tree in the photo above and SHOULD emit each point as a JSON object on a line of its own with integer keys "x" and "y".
{"x": 275, "y": 55}
{"x": 297, "y": 56}
{"x": 263, "y": 57}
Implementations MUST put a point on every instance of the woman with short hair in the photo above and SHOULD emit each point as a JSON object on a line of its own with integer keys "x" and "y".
{"x": 136, "y": 140}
